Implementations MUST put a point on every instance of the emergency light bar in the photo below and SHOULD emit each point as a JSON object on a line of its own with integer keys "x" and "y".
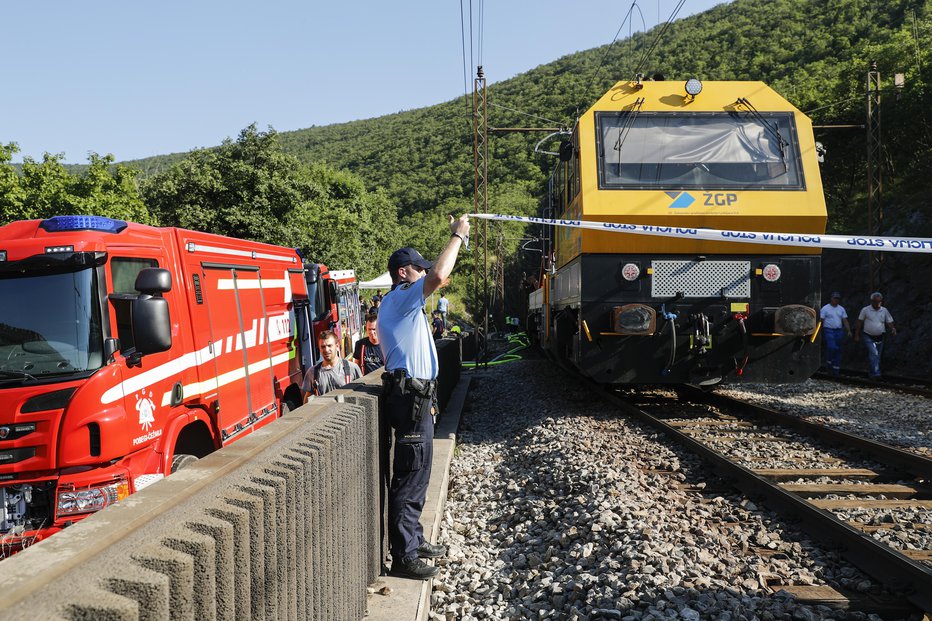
{"x": 57, "y": 224}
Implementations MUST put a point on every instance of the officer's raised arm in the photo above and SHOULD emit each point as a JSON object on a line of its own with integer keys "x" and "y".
{"x": 459, "y": 233}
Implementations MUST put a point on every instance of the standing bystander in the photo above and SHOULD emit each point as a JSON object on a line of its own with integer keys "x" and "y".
{"x": 437, "y": 326}
{"x": 835, "y": 327}
{"x": 368, "y": 354}
{"x": 443, "y": 305}
{"x": 409, "y": 388}
{"x": 873, "y": 323}
{"x": 331, "y": 372}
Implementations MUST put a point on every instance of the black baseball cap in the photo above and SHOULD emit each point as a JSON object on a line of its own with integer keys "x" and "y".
{"x": 836, "y": 294}
{"x": 407, "y": 256}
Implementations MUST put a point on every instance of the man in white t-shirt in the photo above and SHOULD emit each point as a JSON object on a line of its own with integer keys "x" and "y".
{"x": 834, "y": 328}
{"x": 874, "y": 322}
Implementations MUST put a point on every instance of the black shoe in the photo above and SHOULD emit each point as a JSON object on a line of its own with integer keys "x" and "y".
{"x": 416, "y": 569}
{"x": 429, "y": 550}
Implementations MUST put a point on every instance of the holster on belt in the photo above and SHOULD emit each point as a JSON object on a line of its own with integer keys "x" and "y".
{"x": 423, "y": 390}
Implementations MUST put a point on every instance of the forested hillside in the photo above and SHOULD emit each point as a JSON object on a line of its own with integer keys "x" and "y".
{"x": 816, "y": 53}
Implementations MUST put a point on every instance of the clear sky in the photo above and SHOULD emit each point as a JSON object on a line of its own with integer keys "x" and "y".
{"x": 140, "y": 77}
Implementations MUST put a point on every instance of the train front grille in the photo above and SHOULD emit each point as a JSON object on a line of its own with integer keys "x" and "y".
{"x": 701, "y": 279}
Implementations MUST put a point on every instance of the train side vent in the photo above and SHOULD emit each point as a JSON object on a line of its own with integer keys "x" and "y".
{"x": 634, "y": 319}
{"x": 795, "y": 319}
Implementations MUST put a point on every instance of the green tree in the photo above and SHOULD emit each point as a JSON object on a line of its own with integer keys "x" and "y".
{"x": 45, "y": 189}
{"x": 250, "y": 189}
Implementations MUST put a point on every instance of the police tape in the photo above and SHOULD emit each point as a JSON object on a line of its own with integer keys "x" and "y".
{"x": 809, "y": 240}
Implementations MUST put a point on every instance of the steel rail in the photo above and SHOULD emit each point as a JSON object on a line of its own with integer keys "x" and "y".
{"x": 884, "y": 453}
{"x": 899, "y": 384}
{"x": 874, "y": 558}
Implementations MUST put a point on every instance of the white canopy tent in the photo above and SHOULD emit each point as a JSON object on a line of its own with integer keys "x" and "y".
{"x": 383, "y": 281}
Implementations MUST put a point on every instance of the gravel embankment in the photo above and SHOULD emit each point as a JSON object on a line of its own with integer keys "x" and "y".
{"x": 558, "y": 509}
{"x": 898, "y": 419}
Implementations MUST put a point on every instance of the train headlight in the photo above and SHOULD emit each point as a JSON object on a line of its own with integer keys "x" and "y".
{"x": 630, "y": 271}
{"x": 771, "y": 272}
{"x": 693, "y": 87}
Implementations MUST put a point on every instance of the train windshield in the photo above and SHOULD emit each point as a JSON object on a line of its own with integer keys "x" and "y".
{"x": 50, "y": 326}
{"x": 730, "y": 150}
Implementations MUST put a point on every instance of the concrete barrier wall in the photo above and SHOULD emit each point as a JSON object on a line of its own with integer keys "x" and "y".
{"x": 450, "y": 358}
{"x": 280, "y": 525}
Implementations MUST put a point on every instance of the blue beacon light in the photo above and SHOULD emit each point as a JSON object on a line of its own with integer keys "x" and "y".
{"x": 58, "y": 224}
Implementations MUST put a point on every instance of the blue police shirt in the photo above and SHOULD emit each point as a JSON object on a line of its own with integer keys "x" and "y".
{"x": 404, "y": 333}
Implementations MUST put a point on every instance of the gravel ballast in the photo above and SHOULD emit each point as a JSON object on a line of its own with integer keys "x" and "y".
{"x": 885, "y": 415}
{"x": 560, "y": 509}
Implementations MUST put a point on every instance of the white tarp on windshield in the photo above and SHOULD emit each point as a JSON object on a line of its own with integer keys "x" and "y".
{"x": 719, "y": 141}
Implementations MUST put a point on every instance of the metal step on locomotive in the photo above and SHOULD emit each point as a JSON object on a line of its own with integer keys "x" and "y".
{"x": 625, "y": 308}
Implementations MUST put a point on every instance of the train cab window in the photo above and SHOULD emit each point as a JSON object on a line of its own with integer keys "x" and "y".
{"x": 124, "y": 271}
{"x": 716, "y": 150}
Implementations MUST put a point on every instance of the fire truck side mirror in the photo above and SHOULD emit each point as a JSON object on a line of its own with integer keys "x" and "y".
{"x": 152, "y": 330}
{"x": 153, "y": 280}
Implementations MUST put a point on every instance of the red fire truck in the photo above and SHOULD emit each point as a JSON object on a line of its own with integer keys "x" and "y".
{"x": 127, "y": 351}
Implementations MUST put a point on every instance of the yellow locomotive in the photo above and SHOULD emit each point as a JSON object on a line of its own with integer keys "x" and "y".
{"x": 627, "y": 308}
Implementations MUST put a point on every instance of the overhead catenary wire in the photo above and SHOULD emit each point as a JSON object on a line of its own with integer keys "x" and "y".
{"x": 836, "y": 103}
{"x": 527, "y": 114}
{"x": 598, "y": 69}
{"x": 481, "y": 37}
{"x": 465, "y": 71}
{"x": 650, "y": 50}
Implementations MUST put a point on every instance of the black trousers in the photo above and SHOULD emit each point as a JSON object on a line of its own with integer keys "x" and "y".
{"x": 413, "y": 443}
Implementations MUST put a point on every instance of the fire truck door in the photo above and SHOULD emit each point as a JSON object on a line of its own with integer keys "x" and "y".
{"x": 239, "y": 327}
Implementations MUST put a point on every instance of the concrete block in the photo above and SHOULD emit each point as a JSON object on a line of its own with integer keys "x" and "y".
{"x": 224, "y": 561}
{"x": 238, "y": 519}
{"x": 290, "y": 548}
{"x": 178, "y": 567}
{"x": 269, "y": 592}
{"x": 202, "y": 551}
{"x": 255, "y": 542}
{"x": 151, "y": 590}
{"x": 98, "y": 605}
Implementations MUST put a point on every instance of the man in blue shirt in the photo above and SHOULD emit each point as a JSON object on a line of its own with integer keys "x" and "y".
{"x": 834, "y": 326}
{"x": 409, "y": 388}
{"x": 443, "y": 305}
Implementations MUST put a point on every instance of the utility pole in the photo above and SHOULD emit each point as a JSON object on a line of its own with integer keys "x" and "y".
{"x": 874, "y": 175}
{"x": 480, "y": 153}
{"x": 499, "y": 277}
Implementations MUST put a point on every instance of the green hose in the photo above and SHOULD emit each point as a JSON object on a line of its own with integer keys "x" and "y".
{"x": 520, "y": 342}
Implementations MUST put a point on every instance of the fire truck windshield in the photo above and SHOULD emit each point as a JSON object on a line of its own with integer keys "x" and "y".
{"x": 50, "y": 325}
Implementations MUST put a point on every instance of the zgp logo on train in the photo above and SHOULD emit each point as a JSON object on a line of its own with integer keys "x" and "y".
{"x": 681, "y": 200}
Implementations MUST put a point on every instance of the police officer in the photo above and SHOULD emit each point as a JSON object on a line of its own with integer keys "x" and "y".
{"x": 409, "y": 390}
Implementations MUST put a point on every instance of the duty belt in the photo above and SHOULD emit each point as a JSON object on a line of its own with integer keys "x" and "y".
{"x": 423, "y": 390}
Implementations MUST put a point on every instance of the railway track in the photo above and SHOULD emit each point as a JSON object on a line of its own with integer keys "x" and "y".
{"x": 908, "y": 385}
{"x": 872, "y": 500}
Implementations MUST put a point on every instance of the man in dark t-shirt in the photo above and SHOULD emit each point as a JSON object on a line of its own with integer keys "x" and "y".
{"x": 368, "y": 354}
{"x": 437, "y": 326}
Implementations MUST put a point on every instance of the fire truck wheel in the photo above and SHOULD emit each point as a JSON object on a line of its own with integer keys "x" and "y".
{"x": 182, "y": 461}
{"x": 289, "y": 405}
